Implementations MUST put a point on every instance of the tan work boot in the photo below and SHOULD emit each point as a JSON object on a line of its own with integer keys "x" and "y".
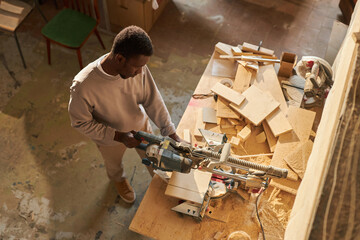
{"x": 125, "y": 191}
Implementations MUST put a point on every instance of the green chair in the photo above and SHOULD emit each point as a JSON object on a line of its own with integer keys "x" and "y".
{"x": 72, "y": 26}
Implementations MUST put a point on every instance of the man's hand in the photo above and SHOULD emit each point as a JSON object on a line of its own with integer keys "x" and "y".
{"x": 177, "y": 138}
{"x": 127, "y": 138}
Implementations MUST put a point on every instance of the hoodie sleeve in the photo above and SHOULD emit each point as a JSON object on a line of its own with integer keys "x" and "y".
{"x": 155, "y": 106}
{"x": 80, "y": 112}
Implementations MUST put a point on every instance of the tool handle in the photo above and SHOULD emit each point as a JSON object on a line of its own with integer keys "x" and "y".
{"x": 144, "y": 136}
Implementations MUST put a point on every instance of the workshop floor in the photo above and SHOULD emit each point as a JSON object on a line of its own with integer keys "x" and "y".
{"x": 53, "y": 183}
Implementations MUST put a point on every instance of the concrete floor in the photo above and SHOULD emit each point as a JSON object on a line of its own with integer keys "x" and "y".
{"x": 53, "y": 183}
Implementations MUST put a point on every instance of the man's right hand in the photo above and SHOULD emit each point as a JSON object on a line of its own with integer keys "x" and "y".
{"x": 127, "y": 138}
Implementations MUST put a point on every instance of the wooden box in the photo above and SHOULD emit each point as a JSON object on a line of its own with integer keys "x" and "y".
{"x": 123, "y": 13}
{"x": 287, "y": 63}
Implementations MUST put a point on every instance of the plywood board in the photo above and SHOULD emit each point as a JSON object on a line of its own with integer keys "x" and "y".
{"x": 270, "y": 138}
{"x": 298, "y": 158}
{"x": 191, "y": 186}
{"x": 242, "y": 79}
{"x": 302, "y": 121}
{"x": 228, "y": 93}
{"x": 257, "y": 105}
{"x": 223, "y": 110}
{"x": 278, "y": 123}
{"x": 223, "y": 68}
{"x": 209, "y": 115}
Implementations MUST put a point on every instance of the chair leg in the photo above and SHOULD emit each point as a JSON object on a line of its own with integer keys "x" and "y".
{"x": 41, "y": 13}
{"x": 98, "y": 36}
{"x": 79, "y": 58}
{"x": 48, "y": 51}
{"x": 18, "y": 46}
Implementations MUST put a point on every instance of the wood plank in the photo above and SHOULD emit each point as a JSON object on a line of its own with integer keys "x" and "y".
{"x": 187, "y": 136}
{"x": 242, "y": 79}
{"x": 223, "y": 68}
{"x": 271, "y": 139}
{"x": 228, "y": 93}
{"x": 253, "y": 48}
{"x": 209, "y": 115}
{"x": 223, "y": 48}
{"x": 223, "y": 110}
{"x": 257, "y": 105}
{"x": 231, "y": 57}
{"x": 298, "y": 158}
{"x": 259, "y": 59}
{"x": 302, "y": 121}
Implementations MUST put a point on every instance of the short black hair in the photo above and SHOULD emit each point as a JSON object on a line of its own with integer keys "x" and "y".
{"x": 132, "y": 41}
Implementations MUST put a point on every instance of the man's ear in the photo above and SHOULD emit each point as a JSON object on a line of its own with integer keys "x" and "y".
{"x": 120, "y": 58}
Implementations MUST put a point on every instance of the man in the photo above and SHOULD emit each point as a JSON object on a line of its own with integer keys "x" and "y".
{"x": 112, "y": 98}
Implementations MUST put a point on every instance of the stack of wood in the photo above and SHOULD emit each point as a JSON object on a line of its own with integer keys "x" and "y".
{"x": 251, "y": 107}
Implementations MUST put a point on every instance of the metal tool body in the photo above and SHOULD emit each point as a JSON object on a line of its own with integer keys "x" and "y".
{"x": 168, "y": 155}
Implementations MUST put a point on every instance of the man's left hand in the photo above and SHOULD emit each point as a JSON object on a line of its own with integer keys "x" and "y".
{"x": 177, "y": 138}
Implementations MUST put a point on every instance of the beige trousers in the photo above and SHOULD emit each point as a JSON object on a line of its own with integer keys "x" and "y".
{"x": 113, "y": 155}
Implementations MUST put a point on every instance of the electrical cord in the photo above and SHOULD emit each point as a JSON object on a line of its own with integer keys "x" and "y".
{"x": 257, "y": 212}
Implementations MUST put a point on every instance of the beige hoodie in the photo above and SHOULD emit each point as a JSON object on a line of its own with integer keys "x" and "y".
{"x": 101, "y": 103}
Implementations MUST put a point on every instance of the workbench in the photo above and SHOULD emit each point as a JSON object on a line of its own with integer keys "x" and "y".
{"x": 154, "y": 217}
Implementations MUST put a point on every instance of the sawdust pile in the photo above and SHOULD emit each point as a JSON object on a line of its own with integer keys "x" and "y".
{"x": 238, "y": 216}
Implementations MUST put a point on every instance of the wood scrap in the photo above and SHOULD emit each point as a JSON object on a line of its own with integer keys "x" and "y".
{"x": 233, "y": 121}
{"x": 209, "y": 115}
{"x": 242, "y": 79}
{"x": 223, "y": 110}
{"x": 247, "y": 54}
{"x": 297, "y": 159}
{"x": 199, "y": 123}
{"x": 261, "y": 137}
{"x": 228, "y": 93}
{"x": 245, "y": 133}
{"x": 223, "y": 48}
{"x": 302, "y": 121}
{"x": 224, "y": 123}
{"x": 187, "y": 135}
{"x": 235, "y": 141}
{"x": 255, "y": 49}
{"x": 257, "y": 105}
{"x": 236, "y": 51}
{"x": 259, "y": 59}
{"x": 223, "y": 68}
{"x": 271, "y": 139}
{"x": 278, "y": 123}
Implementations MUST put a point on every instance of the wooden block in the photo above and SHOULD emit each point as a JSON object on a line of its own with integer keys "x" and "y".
{"x": 199, "y": 123}
{"x": 297, "y": 159}
{"x": 218, "y": 120}
{"x": 236, "y": 51}
{"x": 239, "y": 127}
{"x": 223, "y": 68}
{"x": 261, "y": 137}
{"x": 224, "y": 123}
{"x": 235, "y": 141}
{"x": 234, "y": 121}
{"x": 245, "y": 133}
{"x": 242, "y": 79}
{"x": 187, "y": 136}
{"x": 302, "y": 121}
{"x": 228, "y": 131}
{"x": 209, "y": 115}
{"x": 253, "y": 48}
{"x": 228, "y": 93}
{"x": 278, "y": 123}
{"x": 271, "y": 139}
{"x": 223, "y": 48}
{"x": 223, "y": 110}
{"x": 287, "y": 63}
{"x": 191, "y": 186}
{"x": 257, "y": 105}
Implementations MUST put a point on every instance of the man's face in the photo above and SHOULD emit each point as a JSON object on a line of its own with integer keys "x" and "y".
{"x": 130, "y": 67}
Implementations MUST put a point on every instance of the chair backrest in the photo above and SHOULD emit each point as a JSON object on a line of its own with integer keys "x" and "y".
{"x": 88, "y": 7}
